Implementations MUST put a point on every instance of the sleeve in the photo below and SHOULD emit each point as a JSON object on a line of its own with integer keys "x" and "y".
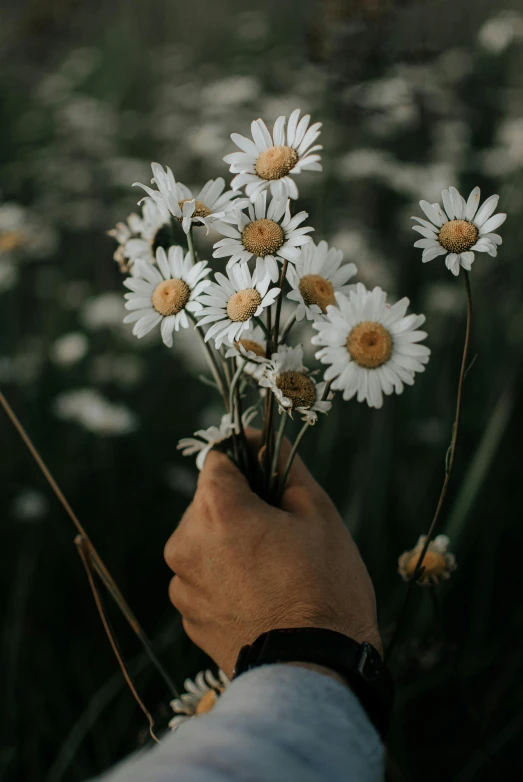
{"x": 277, "y": 723}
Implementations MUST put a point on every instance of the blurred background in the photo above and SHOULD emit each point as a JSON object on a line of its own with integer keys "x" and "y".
{"x": 414, "y": 96}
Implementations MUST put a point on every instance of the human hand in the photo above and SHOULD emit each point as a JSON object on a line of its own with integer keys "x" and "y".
{"x": 244, "y": 567}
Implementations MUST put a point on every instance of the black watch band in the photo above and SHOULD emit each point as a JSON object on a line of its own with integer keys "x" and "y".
{"x": 359, "y": 664}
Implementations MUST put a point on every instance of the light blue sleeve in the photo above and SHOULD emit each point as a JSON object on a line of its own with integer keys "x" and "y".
{"x": 277, "y": 723}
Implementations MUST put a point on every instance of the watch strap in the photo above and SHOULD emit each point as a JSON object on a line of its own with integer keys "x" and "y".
{"x": 358, "y": 663}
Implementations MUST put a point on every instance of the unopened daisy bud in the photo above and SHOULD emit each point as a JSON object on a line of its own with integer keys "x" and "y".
{"x": 460, "y": 229}
{"x": 437, "y": 564}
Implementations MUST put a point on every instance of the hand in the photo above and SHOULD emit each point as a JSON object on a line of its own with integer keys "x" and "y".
{"x": 243, "y": 567}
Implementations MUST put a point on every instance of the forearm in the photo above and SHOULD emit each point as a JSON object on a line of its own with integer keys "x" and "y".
{"x": 278, "y": 722}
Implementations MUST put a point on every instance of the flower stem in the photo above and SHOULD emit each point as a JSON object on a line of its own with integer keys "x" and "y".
{"x": 279, "y": 303}
{"x": 449, "y": 462}
{"x": 191, "y": 246}
{"x": 277, "y": 448}
{"x": 260, "y": 323}
{"x": 290, "y": 460}
{"x": 102, "y": 571}
{"x": 288, "y": 326}
{"x": 85, "y": 555}
{"x": 234, "y": 383}
{"x": 213, "y": 364}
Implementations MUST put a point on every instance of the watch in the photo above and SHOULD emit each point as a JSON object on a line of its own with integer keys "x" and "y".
{"x": 359, "y": 664}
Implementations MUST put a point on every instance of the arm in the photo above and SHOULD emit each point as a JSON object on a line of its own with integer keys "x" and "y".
{"x": 242, "y": 568}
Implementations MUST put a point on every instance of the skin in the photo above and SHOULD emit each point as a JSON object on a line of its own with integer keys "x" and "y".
{"x": 243, "y": 567}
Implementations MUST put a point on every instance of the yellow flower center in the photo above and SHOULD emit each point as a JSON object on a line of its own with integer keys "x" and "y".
{"x": 433, "y": 562}
{"x": 170, "y": 297}
{"x": 458, "y": 236}
{"x": 276, "y": 162}
{"x": 200, "y": 210}
{"x": 315, "y": 289}
{"x": 369, "y": 344}
{"x": 207, "y": 703}
{"x": 263, "y": 237}
{"x": 254, "y": 347}
{"x": 11, "y": 240}
{"x": 242, "y": 305}
{"x": 298, "y": 388}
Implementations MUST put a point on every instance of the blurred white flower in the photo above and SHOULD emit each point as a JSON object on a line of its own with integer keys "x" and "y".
{"x": 29, "y": 505}
{"x": 232, "y": 91}
{"x": 8, "y": 275}
{"x": 500, "y": 31}
{"x": 103, "y": 311}
{"x": 122, "y": 370}
{"x": 24, "y": 235}
{"x": 69, "y": 349}
{"x": 372, "y": 348}
{"x": 271, "y": 160}
{"x": 461, "y": 230}
{"x": 90, "y": 409}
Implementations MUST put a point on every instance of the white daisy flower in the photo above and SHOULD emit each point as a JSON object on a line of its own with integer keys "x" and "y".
{"x": 208, "y": 206}
{"x": 139, "y": 237}
{"x": 293, "y": 385}
{"x": 165, "y": 294}
{"x": 438, "y": 563}
{"x": 232, "y": 301}
{"x": 272, "y": 161}
{"x": 250, "y": 348}
{"x": 268, "y": 233}
{"x": 199, "y": 698}
{"x": 371, "y": 347}
{"x": 316, "y": 278}
{"x": 460, "y": 230}
{"x": 213, "y": 436}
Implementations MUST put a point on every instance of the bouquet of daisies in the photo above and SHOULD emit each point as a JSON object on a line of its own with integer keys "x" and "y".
{"x": 370, "y": 347}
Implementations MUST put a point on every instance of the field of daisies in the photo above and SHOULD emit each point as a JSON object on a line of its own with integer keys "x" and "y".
{"x": 326, "y": 247}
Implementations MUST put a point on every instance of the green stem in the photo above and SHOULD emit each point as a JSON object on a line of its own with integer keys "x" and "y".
{"x": 279, "y": 303}
{"x": 234, "y": 383}
{"x": 290, "y": 460}
{"x": 288, "y": 326}
{"x": 192, "y": 248}
{"x": 213, "y": 364}
{"x": 449, "y": 462}
{"x": 260, "y": 322}
{"x": 276, "y": 456}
